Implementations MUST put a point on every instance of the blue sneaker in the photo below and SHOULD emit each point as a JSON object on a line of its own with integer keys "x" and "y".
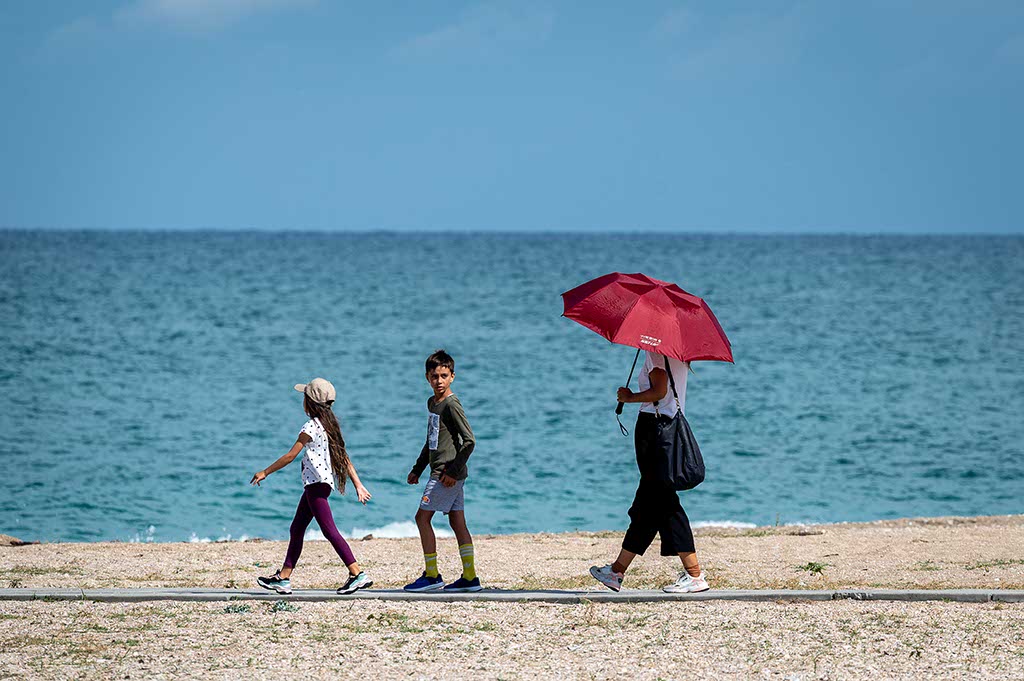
{"x": 463, "y": 584}
{"x": 425, "y": 583}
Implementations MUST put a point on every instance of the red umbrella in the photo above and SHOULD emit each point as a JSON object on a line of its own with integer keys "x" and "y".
{"x": 647, "y": 314}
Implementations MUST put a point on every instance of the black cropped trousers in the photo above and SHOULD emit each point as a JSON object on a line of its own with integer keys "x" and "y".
{"x": 656, "y": 508}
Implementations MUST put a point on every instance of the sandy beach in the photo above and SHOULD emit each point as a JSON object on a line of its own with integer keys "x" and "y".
{"x": 509, "y": 640}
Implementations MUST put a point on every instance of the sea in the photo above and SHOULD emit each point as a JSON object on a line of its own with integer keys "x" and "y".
{"x": 145, "y": 376}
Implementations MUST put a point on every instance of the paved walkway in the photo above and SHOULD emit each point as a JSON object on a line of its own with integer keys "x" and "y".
{"x": 504, "y": 596}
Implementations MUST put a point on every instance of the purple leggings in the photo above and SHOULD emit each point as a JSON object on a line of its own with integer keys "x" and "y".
{"x": 313, "y": 504}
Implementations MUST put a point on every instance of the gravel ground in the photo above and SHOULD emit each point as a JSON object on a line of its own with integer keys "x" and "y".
{"x": 835, "y": 640}
{"x": 803, "y": 640}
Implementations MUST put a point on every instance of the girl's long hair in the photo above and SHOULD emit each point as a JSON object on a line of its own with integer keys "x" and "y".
{"x": 335, "y": 442}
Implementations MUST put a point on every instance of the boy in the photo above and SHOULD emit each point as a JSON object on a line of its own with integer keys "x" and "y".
{"x": 448, "y": 446}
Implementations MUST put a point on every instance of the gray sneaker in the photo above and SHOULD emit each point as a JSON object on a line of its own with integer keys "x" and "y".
{"x": 610, "y": 578}
{"x": 355, "y": 583}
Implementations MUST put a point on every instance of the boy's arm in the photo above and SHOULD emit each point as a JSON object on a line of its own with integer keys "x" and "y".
{"x": 421, "y": 461}
{"x": 459, "y": 425}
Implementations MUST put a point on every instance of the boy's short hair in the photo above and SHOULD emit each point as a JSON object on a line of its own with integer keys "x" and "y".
{"x": 440, "y": 358}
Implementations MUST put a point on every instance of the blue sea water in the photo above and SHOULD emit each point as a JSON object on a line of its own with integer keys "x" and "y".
{"x": 144, "y": 377}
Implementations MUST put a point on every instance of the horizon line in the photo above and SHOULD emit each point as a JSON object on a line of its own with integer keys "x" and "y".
{"x": 503, "y": 232}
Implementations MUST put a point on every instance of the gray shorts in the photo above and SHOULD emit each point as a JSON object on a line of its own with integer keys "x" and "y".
{"x": 437, "y": 497}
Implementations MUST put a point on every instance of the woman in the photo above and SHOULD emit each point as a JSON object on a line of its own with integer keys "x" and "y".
{"x": 656, "y": 508}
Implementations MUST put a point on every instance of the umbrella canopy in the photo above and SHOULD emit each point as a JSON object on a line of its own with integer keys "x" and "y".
{"x": 647, "y": 314}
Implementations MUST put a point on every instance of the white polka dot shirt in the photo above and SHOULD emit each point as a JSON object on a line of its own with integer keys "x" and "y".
{"x": 316, "y": 462}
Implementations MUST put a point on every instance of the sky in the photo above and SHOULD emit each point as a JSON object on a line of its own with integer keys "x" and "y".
{"x": 873, "y": 116}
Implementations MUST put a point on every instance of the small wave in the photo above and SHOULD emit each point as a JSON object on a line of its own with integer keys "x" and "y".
{"x": 144, "y": 538}
{"x": 398, "y": 530}
{"x": 736, "y": 524}
{"x": 196, "y": 539}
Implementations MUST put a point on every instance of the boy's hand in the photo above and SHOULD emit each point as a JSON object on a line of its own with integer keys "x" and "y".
{"x": 363, "y": 495}
{"x": 447, "y": 480}
{"x": 624, "y": 394}
{"x": 258, "y": 478}
{"x": 412, "y": 479}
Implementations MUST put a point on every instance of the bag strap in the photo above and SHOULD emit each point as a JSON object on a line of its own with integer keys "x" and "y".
{"x": 672, "y": 382}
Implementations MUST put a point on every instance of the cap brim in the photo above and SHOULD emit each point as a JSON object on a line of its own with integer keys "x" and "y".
{"x": 301, "y": 387}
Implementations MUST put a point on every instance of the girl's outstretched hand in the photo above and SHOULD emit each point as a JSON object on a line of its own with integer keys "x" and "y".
{"x": 362, "y": 494}
{"x": 258, "y": 478}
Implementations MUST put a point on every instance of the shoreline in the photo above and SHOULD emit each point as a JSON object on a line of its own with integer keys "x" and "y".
{"x": 700, "y": 528}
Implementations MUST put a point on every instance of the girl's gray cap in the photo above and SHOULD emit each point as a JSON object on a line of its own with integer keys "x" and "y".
{"x": 319, "y": 390}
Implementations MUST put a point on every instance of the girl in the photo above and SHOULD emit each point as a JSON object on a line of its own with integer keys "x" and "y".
{"x": 324, "y": 461}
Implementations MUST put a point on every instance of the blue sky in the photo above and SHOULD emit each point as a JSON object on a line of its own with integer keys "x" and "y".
{"x": 819, "y": 116}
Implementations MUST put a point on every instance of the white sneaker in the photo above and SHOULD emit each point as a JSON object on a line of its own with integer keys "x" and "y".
{"x": 688, "y": 585}
{"x": 610, "y": 578}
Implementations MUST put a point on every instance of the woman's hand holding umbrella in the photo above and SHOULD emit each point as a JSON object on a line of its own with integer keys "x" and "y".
{"x": 657, "y": 391}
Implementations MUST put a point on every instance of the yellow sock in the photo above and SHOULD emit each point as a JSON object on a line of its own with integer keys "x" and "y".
{"x": 431, "y": 560}
{"x": 468, "y": 568}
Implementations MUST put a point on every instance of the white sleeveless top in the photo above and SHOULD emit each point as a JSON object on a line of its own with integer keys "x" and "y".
{"x": 316, "y": 462}
{"x": 667, "y": 404}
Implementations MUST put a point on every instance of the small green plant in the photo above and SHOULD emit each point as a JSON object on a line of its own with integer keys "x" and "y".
{"x": 637, "y": 619}
{"x": 999, "y": 562}
{"x": 283, "y": 606}
{"x": 927, "y": 566}
{"x": 813, "y": 568}
{"x": 399, "y": 621}
{"x": 237, "y": 607}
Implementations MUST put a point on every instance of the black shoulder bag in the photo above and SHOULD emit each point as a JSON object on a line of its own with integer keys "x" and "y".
{"x": 679, "y": 463}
